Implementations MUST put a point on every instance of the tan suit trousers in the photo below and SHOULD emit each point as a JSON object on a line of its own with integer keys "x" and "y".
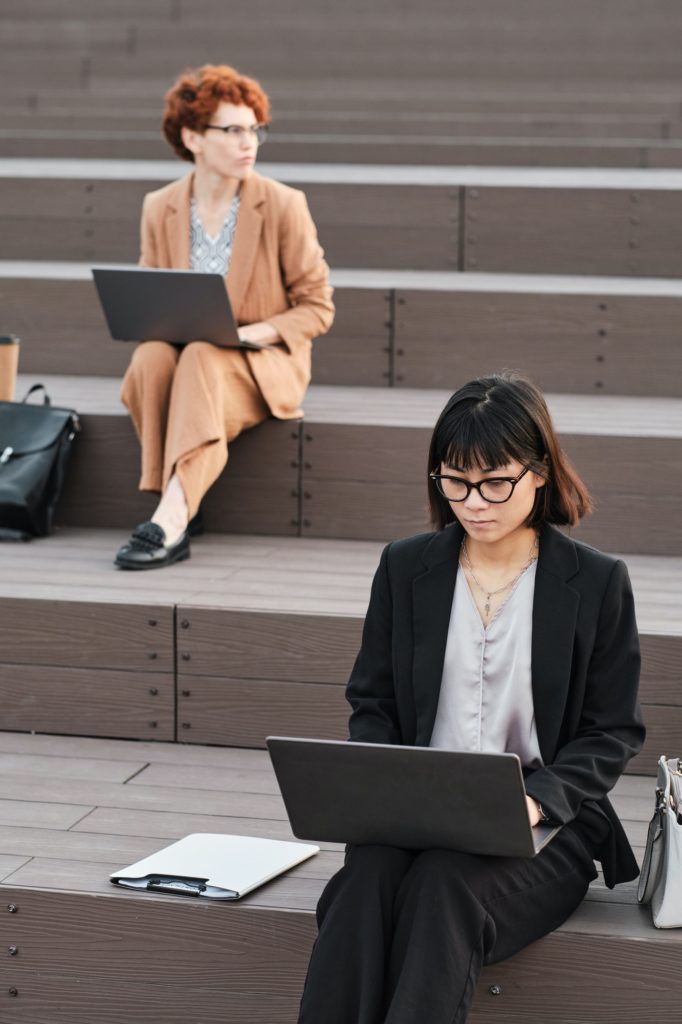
{"x": 186, "y": 406}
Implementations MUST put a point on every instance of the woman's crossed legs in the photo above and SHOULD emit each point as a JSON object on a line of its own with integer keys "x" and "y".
{"x": 403, "y": 935}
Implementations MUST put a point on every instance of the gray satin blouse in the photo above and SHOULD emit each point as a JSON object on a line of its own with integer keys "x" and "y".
{"x": 486, "y": 698}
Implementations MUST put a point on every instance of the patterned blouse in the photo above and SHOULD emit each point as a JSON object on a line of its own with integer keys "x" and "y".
{"x": 211, "y": 255}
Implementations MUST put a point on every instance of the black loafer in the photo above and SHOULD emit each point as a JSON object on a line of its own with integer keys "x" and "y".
{"x": 147, "y": 549}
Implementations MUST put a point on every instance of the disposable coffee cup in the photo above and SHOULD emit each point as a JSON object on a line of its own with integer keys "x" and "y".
{"x": 9, "y": 363}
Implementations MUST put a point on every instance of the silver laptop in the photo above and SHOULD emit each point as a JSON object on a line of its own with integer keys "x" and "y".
{"x": 144, "y": 304}
{"x": 411, "y": 797}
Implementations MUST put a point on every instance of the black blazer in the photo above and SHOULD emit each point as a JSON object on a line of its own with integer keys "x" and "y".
{"x": 585, "y": 670}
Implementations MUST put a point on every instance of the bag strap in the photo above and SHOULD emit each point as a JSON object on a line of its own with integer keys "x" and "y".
{"x": 37, "y": 387}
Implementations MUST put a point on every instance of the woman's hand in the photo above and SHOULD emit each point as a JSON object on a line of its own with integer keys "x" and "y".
{"x": 261, "y": 333}
{"x": 533, "y": 810}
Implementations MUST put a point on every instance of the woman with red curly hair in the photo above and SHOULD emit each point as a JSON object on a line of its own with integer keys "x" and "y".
{"x": 188, "y": 403}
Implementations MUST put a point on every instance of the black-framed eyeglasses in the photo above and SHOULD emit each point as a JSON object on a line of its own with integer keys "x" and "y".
{"x": 239, "y": 132}
{"x": 495, "y": 489}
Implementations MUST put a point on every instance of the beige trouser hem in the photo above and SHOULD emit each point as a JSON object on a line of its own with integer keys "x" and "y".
{"x": 186, "y": 408}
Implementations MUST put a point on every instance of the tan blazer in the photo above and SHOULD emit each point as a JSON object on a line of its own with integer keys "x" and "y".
{"x": 277, "y": 273}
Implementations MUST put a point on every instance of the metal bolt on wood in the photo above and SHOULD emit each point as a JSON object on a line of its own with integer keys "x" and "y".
{"x": 152, "y": 622}
{"x": 12, "y": 950}
{"x": 13, "y": 908}
{"x": 184, "y": 624}
{"x": 495, "y": 990}
{"x": 13, "y": 992}
{"x": 153, "y": 691}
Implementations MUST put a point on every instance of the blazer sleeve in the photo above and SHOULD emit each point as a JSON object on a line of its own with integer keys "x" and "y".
{"x": 148, "y": 256}
{"x": 610, "y": 729}
{"x": 306, "y": 277}
{"x": 370, "y": 690}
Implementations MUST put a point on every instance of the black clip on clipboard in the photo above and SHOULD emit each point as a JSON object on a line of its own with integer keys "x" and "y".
{"x": 177, "y": 886}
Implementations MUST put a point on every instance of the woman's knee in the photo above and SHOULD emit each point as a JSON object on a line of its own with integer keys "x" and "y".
{"x": 444, "y": 869}
{"x": 375, "y": 861}
{"x": 196, "y": 352}
{"x": 154, "y": 357}
{"x": 370, "y": 873}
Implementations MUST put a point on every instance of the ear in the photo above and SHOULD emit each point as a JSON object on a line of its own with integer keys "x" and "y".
{"x": 193, "y": 141}
{"x": 540, "y": 481}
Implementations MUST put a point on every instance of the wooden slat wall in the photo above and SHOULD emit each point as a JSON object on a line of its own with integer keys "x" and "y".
{"x": 577, "y": 344}
{"x": 62, "y": 330}
{"x": 349, "y": 492}
{"x": 567, "y": 343}
{"x": 88, "y": 667}
{"x": 242, "y": 713}
{"x": 534, "y": 230}
{"x": 295, "y": 648}
{"x": 255, "y": 963}
{"x": 88, "y": 702}
{"x": 89, "y": 634}
{"x": 587, "y": 231}
{"x": 99, "y": 220}
{"x": 258, "y": 495}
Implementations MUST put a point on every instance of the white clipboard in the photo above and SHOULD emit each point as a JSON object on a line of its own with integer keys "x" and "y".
{"x": 214, "y": 866}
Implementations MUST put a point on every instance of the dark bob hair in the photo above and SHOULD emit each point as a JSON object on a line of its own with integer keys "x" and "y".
{"x": 499, "y": 419}
{"x": 197, "y": 93}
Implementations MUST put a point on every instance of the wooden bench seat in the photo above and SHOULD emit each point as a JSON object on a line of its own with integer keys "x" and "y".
{"x": 74, "y": 810}
{"x": 253, "y": 636}
{"x": 531, "y": 220}
{"x": 547, "y": 142}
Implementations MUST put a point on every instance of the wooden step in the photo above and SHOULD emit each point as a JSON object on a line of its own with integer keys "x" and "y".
{"x": 354, "y": 468}
{"x": 253, "y": 636}
{"x": 73, "y": 811}
{"x": 530, "y": 220}
{"x": 523, "y": 142}
{"x": 406, "y": 328}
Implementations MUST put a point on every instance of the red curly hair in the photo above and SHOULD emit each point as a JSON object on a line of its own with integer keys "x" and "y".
{"x": 195, "y": 96}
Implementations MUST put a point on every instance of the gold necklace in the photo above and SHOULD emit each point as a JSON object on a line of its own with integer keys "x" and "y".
{"x": 507, "y": 586}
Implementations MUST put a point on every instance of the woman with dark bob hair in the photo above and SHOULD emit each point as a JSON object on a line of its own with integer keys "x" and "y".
{"x": 189, "y": 402}
{"x": 495, "y": 633}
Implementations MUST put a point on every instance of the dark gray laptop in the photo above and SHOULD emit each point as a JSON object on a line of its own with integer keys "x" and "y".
{"x": 411, "y": 797}
{"x": 144, "y": 304}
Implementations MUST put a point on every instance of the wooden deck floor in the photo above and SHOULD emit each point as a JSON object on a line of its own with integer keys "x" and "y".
{"x": 73, "y": 810}
{"x": 299, "y": 575}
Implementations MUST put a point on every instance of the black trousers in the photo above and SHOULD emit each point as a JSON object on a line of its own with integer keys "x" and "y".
{"x": 403, "y": 935}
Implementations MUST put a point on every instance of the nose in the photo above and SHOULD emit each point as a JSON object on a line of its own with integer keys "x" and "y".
{"x": 474, "y": 500}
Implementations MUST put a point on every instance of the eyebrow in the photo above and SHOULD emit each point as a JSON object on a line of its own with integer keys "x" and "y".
{"x": 460, "y": 469}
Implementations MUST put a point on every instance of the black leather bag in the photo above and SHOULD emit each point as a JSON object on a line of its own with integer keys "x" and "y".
{"x": 35, "y": 443}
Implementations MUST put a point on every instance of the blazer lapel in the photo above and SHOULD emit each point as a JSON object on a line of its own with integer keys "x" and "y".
{"x": 432, "y": 594}
{"x": 246, "y": 241}
{"x": 177, "y": 224}
{"x": 555, "y": 610}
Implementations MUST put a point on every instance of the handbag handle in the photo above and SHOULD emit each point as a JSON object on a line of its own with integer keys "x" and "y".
{"x": 37, "y": 387}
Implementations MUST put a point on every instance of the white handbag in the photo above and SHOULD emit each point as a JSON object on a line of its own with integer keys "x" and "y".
{"x": 660, "y": 881}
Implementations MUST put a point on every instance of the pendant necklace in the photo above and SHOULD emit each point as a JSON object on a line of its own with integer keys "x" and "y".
{"x": 489, "y": 594}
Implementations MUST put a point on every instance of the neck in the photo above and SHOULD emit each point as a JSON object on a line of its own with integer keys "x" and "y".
{"x": 213, "y": 190}
{"x": 511, "y": 551}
